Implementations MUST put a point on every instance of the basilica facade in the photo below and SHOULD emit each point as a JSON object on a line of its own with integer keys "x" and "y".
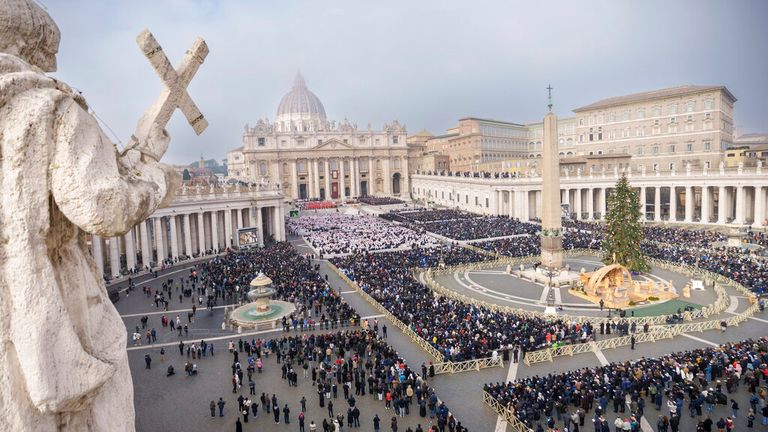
{"x": 311, "y": 157}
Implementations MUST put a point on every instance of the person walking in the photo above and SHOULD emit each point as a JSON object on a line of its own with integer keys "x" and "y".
{"x": 148, "y": 361}
{"x": 221, "y": 407}
{"x": 286, "y": 413}
{"x": 301, "y": 422}
{"x": 238, "y": 426}
{"x": 376, "y": 423}
{"x": 213, "y": 409}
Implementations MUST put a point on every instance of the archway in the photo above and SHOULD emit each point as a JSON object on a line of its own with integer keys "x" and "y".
{"x": 396, "y": 184}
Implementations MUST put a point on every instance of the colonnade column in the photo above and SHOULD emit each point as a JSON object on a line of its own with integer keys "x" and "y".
{"x": 214, "y": 230}
{"x": 187, "y": 236}
{"x": 657, "y": 204}
{"x": 114, "y": 256}
{"x": 511, "y": 210}
{"x": 159, "y": 243}
{"x": 228, "y": 227}
{"x": 130, "y": 250}
{"x": 672, "y": 204}
{"x": 722, "y": 205}
{"x": 342, "y": 195}
{"x": 759, "y": 206}
{"x": 740, "y": 207}
{"x": 689, "y": 203}
{"x": 97, "y": 252}
{"x": 146, "y": 250}
{"x": 590, "y": 203}
{"x": 174, "y": 237}
{"x": 577, "y": 203}
{"x": 259, "y": 226}
{"x": 201, "y": 232}
{"x": 603, "y": 202}
{"x": 643, "y": 205}
{"x": 706, "y": 204}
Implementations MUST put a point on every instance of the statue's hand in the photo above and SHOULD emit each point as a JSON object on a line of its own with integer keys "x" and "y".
{"x": 156, "y": 142}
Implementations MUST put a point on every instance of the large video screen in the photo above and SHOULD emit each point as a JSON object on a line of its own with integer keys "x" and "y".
{"x": 247, "y": 237}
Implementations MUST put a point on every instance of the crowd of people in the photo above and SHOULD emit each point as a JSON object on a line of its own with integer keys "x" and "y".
{"x": 380, "y": 201}
{"x": 460, "y": 331}
{"x": 427, "y": 215}
{"x": 336, "y": 234}
{"x": 348, "y": 365}
{"x": 460, "y": 225}
{"x": 689, "y": 384}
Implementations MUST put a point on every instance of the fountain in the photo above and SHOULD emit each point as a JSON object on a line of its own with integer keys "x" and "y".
{"x": 262, "y": 311}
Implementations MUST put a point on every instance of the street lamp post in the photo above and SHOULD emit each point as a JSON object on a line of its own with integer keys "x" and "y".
{"x": 550, "y": 272}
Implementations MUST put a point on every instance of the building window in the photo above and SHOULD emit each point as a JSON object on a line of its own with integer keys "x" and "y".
{"x": 655, "y": 167}
{"x": 345, "y": 141}
{"x": 656, "y": 149}
{"x": 707, "y": 145}
{"x": 707, "y": 164}
{"x": 672, "y": 109}
{"x": 708, "y": 104}
{"x": 300, "y": 142}
{"x": 671, "y": 148}
{"x": 672, "y": 166}
{"x": 640, "y": 150}
{"x": 487, "y": 203}
{"x": 656, "y": 111}
{"x": 600, "y": 133}
{"x": 394, "y": 139}
{"x": 591, "y": 135}
{"x": 302, "y": 167}
{"x": 690, "y": 106}
{"x": 262, "y": 141}
{"x": 263, "y": 169}
{"x": 581, "y": 121}
{"x": 641, "y": 113}
{"x": 378, "y": 141}
{"x": 625, "y": 115}
{"x": 283, "y": 143}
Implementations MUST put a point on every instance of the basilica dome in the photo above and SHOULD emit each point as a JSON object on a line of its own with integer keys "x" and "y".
{"x": 300, "y": 104}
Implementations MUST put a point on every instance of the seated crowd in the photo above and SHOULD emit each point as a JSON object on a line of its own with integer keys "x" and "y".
{"x": 697, "y": 379}
{"x": 380, "y": 201}
{"x": 460, "y": 331}
{"x": 425, "y": 215}
{"x": 334, "y": 234}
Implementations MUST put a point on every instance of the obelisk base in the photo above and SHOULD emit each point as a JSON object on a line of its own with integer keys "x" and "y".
{"x": 552, "y": 252}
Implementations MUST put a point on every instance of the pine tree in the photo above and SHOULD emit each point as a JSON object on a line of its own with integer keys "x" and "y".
{"x": 623, "y": 232}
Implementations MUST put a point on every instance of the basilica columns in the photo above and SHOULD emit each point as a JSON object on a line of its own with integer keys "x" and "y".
{"x": 342, "y": 195}
{"x": 294, "y": 179}
{"x": 327, "y": 165}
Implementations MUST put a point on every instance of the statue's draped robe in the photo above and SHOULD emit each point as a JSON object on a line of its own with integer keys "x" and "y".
{"x": 63, "y": 360}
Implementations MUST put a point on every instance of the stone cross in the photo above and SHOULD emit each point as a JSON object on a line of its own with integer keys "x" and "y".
{"x": 174, "y": 95}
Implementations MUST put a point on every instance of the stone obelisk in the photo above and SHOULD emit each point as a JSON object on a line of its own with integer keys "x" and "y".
{"x": 551, "y": 226}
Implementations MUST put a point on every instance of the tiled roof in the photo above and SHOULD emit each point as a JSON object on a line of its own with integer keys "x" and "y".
{"x": 653, "y": 94}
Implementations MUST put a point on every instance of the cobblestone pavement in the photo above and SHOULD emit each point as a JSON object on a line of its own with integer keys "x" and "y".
{"x": 181, "y": 403}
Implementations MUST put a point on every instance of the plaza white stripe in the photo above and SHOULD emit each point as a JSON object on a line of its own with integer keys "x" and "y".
{"x": 558, "y": 296}
{"x": 217, "y": 338}
{"x": 601, "y": 358}
{"x": 501, "y": 425}
{"x": 734, "y": 304}
{"x": 699, "y": 339}
{"x": 170, "y": 312}
{"x": 347, "y": 292}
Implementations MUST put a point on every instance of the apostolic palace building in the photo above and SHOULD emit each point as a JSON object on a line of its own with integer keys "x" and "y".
{"x": 677, "y": 146}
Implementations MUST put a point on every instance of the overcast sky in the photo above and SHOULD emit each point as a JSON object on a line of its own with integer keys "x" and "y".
{"x": 425, "y": 63}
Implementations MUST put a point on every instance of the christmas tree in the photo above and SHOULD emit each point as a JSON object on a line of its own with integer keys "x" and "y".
{"x": 623, "y": 232}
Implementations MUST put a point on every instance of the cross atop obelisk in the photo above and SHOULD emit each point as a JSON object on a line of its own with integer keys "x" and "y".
{"x": 549, "y": 97}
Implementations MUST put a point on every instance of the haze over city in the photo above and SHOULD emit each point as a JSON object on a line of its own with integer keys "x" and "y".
{"x": 426, "y": 64}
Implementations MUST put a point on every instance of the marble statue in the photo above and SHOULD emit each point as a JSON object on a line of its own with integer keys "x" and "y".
{"x": 63, "y": 365}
